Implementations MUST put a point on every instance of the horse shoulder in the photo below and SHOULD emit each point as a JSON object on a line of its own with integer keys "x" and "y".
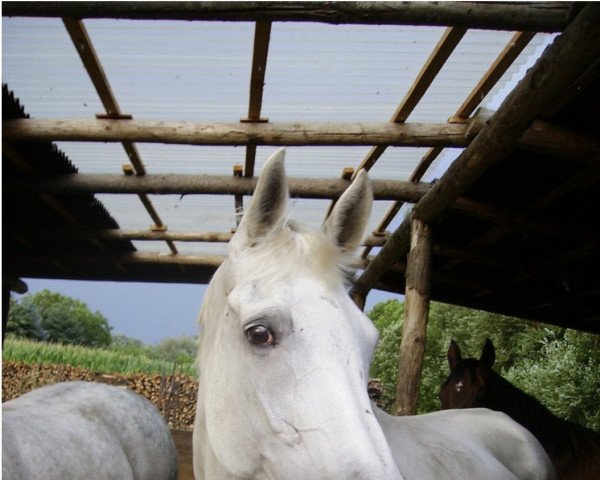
{"x": 470, "y": 443}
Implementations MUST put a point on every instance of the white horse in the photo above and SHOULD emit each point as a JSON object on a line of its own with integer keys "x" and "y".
{"x": 284, "y": 359}
{"x": 85, "y": 430}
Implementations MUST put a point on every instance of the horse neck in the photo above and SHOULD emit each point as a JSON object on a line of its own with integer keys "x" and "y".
{"x": 558, "y": 436}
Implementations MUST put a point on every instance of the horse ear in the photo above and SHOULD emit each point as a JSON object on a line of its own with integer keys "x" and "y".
{"x": 269, "y": 200}
{"x": 488, "y": 355}
{"x": 348, "y": 219}
{"x": 454, "y": 355}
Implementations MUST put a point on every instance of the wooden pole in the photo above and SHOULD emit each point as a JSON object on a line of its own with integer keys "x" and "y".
{"x": 412, "y": 348}
{"x": 537, "y": 16}
{"x": 541, "y": 136}
{"x": 9, "y": 284}
{"x": 5, "y": 307}
{"x": 151, "y": 235}
{"x": 199, "y": 184}
{"x": 359, "y": 300}
{"x": 190, "y": 133}
{"x": 561, "y": 64}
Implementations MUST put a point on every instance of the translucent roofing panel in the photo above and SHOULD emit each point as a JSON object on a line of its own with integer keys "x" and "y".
{"x": 200, "y": 71}
{"x": 169, "y": 70}
{"x": 342, "y": 73}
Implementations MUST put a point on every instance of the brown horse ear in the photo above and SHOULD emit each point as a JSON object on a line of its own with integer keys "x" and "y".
{"x": 454, "y": 355}
{"x": 488, "y": 356}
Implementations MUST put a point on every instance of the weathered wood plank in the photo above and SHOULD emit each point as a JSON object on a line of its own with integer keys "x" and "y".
{"x": 537, "y": 16}
{"x": 151, "y": 235}
{"x": 416, "y": 313}
{"x": 165, "y": 184}
{"x": 284, "y": 134}
{"x": 135, "y": 258}
{"x": 540, "y": 136}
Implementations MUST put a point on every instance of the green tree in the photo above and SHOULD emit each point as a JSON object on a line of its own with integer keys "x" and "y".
{"x": 66, "y": 320}
{"x": 23, "y": 320}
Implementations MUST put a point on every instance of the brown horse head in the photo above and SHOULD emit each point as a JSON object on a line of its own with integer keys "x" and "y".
{"x": 465, "y": 387}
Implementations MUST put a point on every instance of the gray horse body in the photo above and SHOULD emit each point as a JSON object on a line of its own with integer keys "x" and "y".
{"x": 85, "y": 430}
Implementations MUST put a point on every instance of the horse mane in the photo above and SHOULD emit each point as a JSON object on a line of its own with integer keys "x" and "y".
{"x": 560, "y": 438}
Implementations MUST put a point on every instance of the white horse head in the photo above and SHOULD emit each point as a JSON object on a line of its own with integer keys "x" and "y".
{"x": 284, "y": 360}
{"x": 284, "y": 352}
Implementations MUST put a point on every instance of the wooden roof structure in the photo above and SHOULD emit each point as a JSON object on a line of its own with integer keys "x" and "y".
{"x": 514, "y": 219}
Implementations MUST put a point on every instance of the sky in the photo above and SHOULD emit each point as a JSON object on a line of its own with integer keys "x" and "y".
{"x": 149, "y": 312}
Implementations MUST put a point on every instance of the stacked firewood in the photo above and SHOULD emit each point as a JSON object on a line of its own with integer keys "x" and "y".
{"x": 173, "y": 395}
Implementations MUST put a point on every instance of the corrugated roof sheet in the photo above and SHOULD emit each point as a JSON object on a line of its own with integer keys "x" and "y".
{"x": 200, "y": 71}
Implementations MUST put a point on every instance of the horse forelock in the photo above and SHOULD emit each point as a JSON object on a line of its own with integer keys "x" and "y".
{"x": 286, "y": 252}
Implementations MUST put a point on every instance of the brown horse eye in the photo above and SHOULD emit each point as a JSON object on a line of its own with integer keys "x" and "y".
{"x": 259, "y": 335}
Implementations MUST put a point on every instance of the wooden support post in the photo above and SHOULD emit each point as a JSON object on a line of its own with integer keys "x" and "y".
{"x": 9, "y": 284}
{"x": 412, "y": 348}
{"x": 5, "y": 305}
{"x": 359, "y": 300}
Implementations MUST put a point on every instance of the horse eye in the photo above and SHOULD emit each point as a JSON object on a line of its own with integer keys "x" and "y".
{"x": 259, "y": 335}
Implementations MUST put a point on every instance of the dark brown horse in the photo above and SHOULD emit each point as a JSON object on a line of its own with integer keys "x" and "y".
{"x": 574, "y": 449}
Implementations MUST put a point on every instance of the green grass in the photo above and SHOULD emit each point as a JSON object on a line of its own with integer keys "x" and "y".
{"x": 95, "y": 359}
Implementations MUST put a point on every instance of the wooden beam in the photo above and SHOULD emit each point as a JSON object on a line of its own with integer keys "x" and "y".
{"x": 138, "y": 258}
{"x": 262, "y": 36}
{"x": 416, "y": 313}
{"x": 290, "y": 134}
{"x": 150, "y": 235}
{"x": 438, "y": 57}
{"x": 91, "y": 62}
{"x": 506, "y": 58}
{"x": 546, "y": 138}
{"x": 512, "y": 50}
{"x": 135, "y": 258}
{"x": 169, "y": 184}
{"x": 164, "y": 184}
{"x": 540, "y": 136}
{"x": 562, "y": 63}
{"x": 416, "y": 176}
{"x": 536, "y": 16}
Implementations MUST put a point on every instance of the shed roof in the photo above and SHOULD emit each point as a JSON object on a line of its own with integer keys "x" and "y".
{"x": 517, "y": 243}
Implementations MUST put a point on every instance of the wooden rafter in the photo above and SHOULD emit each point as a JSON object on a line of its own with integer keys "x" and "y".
{"x": 262, "y": 35}
{"x": 91, "y": 62}
{"x": 442, "y": 51}
{"x": 508, "y": 55}
{"x": 561, "y": 64}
